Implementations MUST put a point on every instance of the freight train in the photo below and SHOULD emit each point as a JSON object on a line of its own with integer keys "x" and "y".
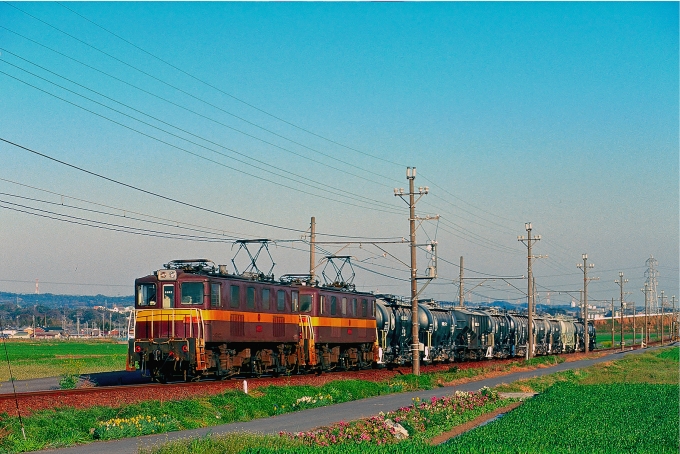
{"x": 193, "y": 319}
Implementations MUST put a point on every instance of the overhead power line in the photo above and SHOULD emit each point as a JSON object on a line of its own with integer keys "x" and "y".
{"x": 141, "y": 71}
{"x": 217, "y": 107}
{"x": 180, "y": 202}
{"x": 125, "y": 211}
{"x": 234, "y": 97}
{"x": 64, "y": 283}
{"x": 301, "y": 179}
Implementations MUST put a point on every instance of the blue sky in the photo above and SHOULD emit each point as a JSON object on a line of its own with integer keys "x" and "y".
{"x": 561, "y": 114}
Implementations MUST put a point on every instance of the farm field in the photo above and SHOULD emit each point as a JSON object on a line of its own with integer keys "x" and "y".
{"x": 642, "y": 388}
{"x": 65, "y": 426}
{"x": 38, "y": 359}
{"x": 68, "y": 426}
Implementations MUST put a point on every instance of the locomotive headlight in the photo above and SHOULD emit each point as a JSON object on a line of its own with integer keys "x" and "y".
{"x": 185, "y": 348}
{"x": 138, "y": 349}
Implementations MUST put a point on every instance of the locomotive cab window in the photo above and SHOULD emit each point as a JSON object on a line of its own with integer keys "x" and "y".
{"x": 294, "y": 302}
{"x": 146, "y": 295}
{"x": 168, "y": 296}
{"x": 322, "y": 303}
{"x": 192, "y": 293}
{"x": 305, "y": 303}
{"x": 334, "y": 305}
{"x": 235, "y": 296}
{"x": 344, "y": 306}
{"x": 281, "y": 300}
{"x": 250, "y": 298}
{"x": 215, "y": 295}
{"x": 364, "y": 308}
{"x": 265, "y": 299}
{"x": 353, "y": 309}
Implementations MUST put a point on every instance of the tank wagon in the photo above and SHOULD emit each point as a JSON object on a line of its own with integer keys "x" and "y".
{"x": 460, "y": 334}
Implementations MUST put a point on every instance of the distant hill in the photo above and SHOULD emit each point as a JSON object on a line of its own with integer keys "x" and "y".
{"x": 522, "y": 307}
{"x": 52, "y": 300}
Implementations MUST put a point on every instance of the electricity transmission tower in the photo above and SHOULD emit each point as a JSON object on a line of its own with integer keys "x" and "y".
{"x": 652, "y": 274}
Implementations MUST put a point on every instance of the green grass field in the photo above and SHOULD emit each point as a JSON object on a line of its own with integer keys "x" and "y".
{"x": 578, "y": 418}
{"x": 38, "y": 359}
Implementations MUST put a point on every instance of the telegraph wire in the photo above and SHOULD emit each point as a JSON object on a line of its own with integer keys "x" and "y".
{"x": 194, "y": 77}
{"x": 184, "y": 149}
{"x": 170, "y": 199}
{"x": 305, "y": 180}
{"x": 470, "y": 240}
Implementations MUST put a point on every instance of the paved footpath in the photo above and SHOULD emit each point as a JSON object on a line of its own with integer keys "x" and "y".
{"x": 302, "y": 421}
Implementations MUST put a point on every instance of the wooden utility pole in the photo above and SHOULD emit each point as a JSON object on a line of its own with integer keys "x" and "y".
{"x": 660, "y": 321}
{"x": 461, "y": 295}
{"x": 528, "y": 242}
{"x": 312, "y": 250}
{"x": 584, "y": 268}
{"x": 674, "y": 322}
{"x": 612, "y": 322}
{"x": 662, "y": 303}
{"x": 411, "y": 176}
{"x": 621, "y": 281}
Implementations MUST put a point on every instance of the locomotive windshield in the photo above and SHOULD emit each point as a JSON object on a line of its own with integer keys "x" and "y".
{"x": 146, "y": 295}
{"x": 192, "y": 293}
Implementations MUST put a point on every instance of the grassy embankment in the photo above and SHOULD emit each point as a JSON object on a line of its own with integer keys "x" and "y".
{"x": 629, "y": 405}
{"x": 68, "y": 426}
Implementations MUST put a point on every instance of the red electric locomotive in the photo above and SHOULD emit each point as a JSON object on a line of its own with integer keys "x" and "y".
{"x": 193, "y": 319}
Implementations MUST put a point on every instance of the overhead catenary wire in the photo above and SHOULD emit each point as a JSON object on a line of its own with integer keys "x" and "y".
{"x": 33, "y": 199}
{"x": 91, "y": 284}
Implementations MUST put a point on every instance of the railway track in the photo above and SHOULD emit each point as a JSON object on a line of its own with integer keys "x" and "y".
{"x": 28, "y": 402}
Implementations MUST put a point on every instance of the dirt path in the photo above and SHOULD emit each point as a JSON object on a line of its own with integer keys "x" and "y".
{"x": 479, "y": 420}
